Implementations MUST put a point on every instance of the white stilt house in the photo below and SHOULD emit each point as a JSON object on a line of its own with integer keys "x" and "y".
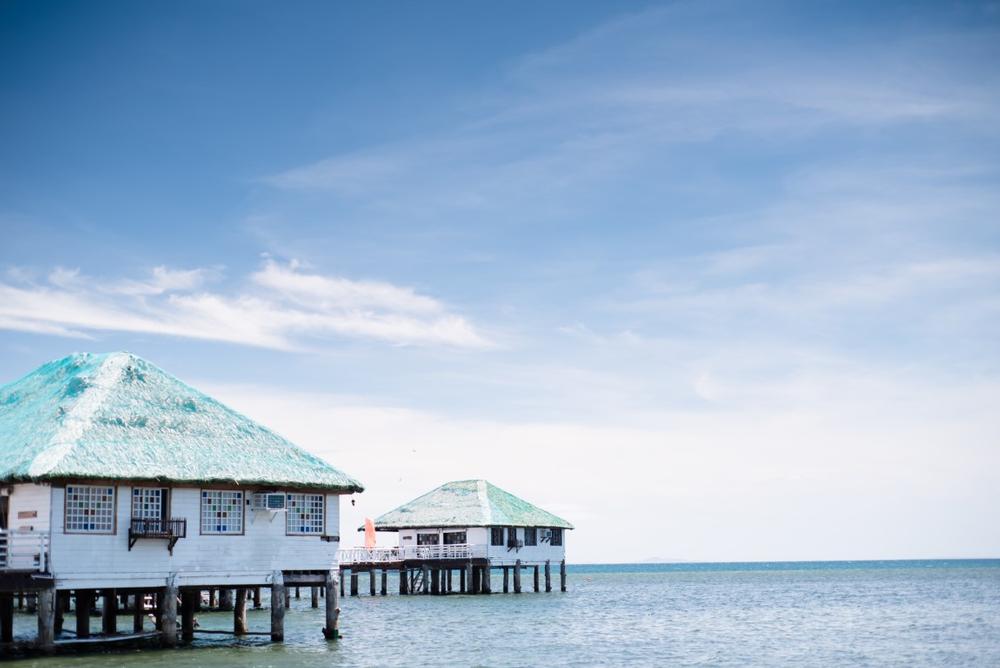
{"x": 117, "y": 478}
{"x": 472, "y": 522}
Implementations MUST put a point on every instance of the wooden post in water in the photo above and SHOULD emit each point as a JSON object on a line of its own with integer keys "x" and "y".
{"x": 506, "y": 579}
{"x": 474, "y": 578}
{"x": 46, "y": 603}
{"x": 225, "y": 599}
{"x": 384, "y": 590}
{"x": 188, "y": 597}
{"x": 297, "y": 594}
{"x": 354, "y": 582}
{"x": 256, "y": 597}
{"x": 342, "y": 578}
{"x": 84, "y": 604}
{"x": 425, "y": 585}
{"x": 168, "y": 614}
{"x": 213, "y": 598}
{"x": 332, "y": 629}
{"x": 6, "y": 617}
{"x": 137, "y": 613}
{"x": 371, "y": 581}
{"x": 435, "y": 580}
{"x": 109, "y": 612}
{"x": 449, "y": 581}
{"x": 277, "y": 607}
{"x": 461, "y": 579}
{"x": 488, "y": 577}
{"x": 403, "y": 590}
{"x": 536, "y": 578}
{"x": 60, "y": 607}
{"x": 517, "y": 576}
{"x": 240, "y": 612}
{"x": 314, "y": 597}
{"x": 548, "y": 576}
{"x": 562, "y": 575}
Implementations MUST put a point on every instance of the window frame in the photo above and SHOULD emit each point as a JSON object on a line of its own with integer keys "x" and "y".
{"x": 493, "y": 537}
{"x": 165, "y": 500}
{"x": 288, "y": 516}
{"x": 533, "y": 532}
{"x": 436, "y": 535}
{"x": 201, "y": 512}
{"x": 556, "y": 531}
{"x": 88, "y": 532}
{"x": 464, "y": 533}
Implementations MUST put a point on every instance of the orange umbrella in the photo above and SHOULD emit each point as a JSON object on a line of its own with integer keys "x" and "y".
{"x": 369, "y": 533}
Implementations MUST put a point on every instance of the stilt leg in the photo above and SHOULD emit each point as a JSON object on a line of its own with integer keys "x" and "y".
{"x": 240, "y": 612}
{"x": 332, "y": 629}
{"x": 277, "y": 607}
{"x": 46, "y": 603}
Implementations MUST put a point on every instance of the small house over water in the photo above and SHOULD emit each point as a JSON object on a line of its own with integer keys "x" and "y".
{"x": 469, "y": 525}
{"x": 117, "y": 479}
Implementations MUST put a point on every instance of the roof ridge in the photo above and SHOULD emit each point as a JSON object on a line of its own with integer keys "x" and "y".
{"x": 77, "y": 419}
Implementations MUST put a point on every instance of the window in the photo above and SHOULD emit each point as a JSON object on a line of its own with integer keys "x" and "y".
{"x": 530, "y": 536}
{"x": 496, "y": 535}
{"x": 90, "y": 509}
{"x": 556, "y": 536}
{"x": 512, "y": 537}
{"x": 454, "y": 538}
{"x": 304, "y": 514}
{"x": 221, "y": 511}
{"x": 428, "y": 539}
{"x": 149, "y": 503}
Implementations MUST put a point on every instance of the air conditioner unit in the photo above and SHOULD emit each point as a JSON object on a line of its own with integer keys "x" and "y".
{"x": 272, "y": 501}
{"x": 546, "y": 534}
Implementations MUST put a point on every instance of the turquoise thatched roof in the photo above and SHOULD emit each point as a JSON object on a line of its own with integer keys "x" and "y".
{"x": 468, "y": 503}
{"x": 116, "y": 416}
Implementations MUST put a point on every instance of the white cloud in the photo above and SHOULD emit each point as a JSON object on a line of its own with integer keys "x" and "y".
{"x": 287, "y": 308}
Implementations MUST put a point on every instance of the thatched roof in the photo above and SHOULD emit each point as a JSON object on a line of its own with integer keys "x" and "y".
{"x": 468, "y": 503}
{"x": 116, "y": 416}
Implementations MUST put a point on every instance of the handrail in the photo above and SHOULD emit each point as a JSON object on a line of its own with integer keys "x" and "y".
{"x": 173, "y": 530}
{"x": 24, "y": 550}
{"x": 378, "y": 555}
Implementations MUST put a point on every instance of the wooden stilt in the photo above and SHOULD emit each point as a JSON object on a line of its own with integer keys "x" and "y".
{"x": 449, "y": 580}
{"x": 6, "y": 617}
{"x": 488, "y": 577}
{"x": 384, "y": 589}
{"x": 225, "y": 599}
{"x": 403, "y": 590}
{"x": 188, "y": 597}
{"x": 277, "y": 607}
{"x": 435, "y": 580}
{"x": 288, "y": 600}
{"x": 548, "y": 576}
{"x": 517, "y": 576}
{"x": 240, "y": 612}
{"x": 332, "y": 629}
{"x": 475, "y": 579}
{"x": 20, "y": 600}
{"x": 461, "y": 579}
{"x": 314, "y": 597}
{"x": 354, "y": 582}
{"x": 536, "y": 578}
{"x": 342, "y": 578}
{"x": 213, "y": 598}
{"x": 425, "y": 585}
{"x": 168, "y": 614}
{"x": 60, "y": 608}
{"x": 84, "y": 604}
{"x": 137, "y": 614}
{"x": 506, "y": 579}
{"x": 371, "y": 581}
{"x": 109, "y": 612}
{"x": 256, "y": 598}
{"x": 562, "y": 575}
{"x": 298, "y": 595}
{"x": 46, "y": 605}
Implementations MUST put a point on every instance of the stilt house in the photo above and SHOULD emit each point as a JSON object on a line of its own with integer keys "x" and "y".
{"x": 117, "y": 477}
{"x": 467, "y": 523}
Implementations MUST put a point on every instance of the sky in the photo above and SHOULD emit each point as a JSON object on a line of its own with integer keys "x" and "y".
{"x": 714, "y": 281}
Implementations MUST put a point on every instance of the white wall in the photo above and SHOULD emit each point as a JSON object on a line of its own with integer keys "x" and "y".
{"x": 498, "y": 554}
{"x": 95, "y": 560}
{"x": 28, "y": 499}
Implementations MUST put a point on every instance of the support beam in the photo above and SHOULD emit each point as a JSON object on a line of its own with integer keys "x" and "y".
{"x": 461, "y": 576}
{"x": 562, "y": 575}
{"x": 517, "y": 576}
{"x": 256, "y": 598}
{"x": 109, "y": 612}
{"x": 354, "y": 582}
{"x": 474, "y": 578}
{"x": 536, "y": 578}
{"x": 384, "y": 589}
{"x": 84, "y": 604}
{"x": 137, "y": 613}
{"x": 314, "y": 596}
{"x": 168, "y": 611}
{"x": 277, "y": 607}
{"x": 298, "y": 594}
{"x": 240, "y": 612}
{"x": 488, "y": 577}
{"x": 342, "y": 578}
{"x": 506, "y": 579}
{"x": 371, "y": 581}
{"x": 60, "y": 610}
{"x": 225, "y": 599}
{"x": 425, "y": 585}
{"x": 403, "y": 589}
{"x": 448, "y": 574}
{"x": 6, "y": 617}
{"x": 46, "y": 603}
{"x": 213, "y": 598}
{"x": 435, "y": 580}
{"x": 188, "y": 598}
{"x": 548, "y": 576}
{"x": 332, "y": 629}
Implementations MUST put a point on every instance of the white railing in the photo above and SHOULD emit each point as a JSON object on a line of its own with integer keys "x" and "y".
{"x": 24, "y": 550}
{"x": 383, "y": 555}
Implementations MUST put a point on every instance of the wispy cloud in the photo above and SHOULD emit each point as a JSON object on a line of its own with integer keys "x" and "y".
{"x": 282, "y": 306}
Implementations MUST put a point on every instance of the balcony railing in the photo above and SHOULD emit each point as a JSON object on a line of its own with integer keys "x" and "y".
{"x": 171, "y": 530}
{"x": 24, "y": 550}
{"x": 386, "y": 555}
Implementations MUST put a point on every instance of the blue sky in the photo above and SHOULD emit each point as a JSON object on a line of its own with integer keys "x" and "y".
{"x": 722, "y": 274}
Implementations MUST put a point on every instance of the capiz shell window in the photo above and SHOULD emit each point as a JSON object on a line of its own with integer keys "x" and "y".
{"x": 221, "y": 511}
{"x": 149, "y": 503}
{"x": 304, "y": 514}
{"x": 90, "y": 509}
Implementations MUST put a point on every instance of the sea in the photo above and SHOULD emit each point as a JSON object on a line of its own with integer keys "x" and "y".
{"x": 857, "y": 613}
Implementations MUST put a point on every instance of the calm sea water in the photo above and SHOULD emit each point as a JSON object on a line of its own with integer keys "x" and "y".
{"x": 896, "y": 613}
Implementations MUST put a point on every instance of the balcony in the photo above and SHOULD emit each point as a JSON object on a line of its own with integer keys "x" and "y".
{"x": 170, "y": 530}
{"x": 24, "y": 551}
